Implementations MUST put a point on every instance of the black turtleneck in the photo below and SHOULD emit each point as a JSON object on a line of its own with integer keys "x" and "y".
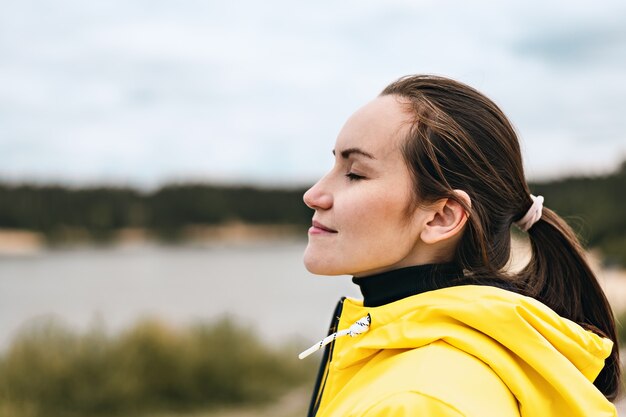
{"x": 394, "y": 285}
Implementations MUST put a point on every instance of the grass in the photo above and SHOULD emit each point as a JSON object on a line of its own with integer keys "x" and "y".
{"x": 153, "y": 368}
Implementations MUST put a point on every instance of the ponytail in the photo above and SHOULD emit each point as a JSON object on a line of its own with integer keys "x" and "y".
{"x": 559, "y": 276}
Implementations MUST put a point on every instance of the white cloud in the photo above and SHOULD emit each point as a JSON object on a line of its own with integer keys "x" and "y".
{"x": 146, "y": 91}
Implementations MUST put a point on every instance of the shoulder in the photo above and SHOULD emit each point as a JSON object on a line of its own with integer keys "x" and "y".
{"x": 409, "y": 403}
{"x": 440, "y": 377}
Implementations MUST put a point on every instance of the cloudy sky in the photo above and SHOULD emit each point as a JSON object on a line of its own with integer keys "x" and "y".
{"x": 145, "y": 92}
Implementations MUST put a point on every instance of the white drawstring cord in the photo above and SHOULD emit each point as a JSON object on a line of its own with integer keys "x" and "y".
{"x": 361, "y": 326}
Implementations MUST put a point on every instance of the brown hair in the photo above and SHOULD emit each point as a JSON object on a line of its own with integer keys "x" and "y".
{"x": 461, "y": 140}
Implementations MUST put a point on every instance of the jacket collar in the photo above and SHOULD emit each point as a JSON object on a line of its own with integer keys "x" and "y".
{"x": 395, "y": 285}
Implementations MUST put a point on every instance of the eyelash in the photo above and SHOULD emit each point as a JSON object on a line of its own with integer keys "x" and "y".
{"x": 354, "y": 177}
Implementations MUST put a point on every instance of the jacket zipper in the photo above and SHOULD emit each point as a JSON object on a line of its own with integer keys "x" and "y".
{"x": 322, "y": 374}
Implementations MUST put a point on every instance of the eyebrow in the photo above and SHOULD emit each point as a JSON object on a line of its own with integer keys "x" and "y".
{"x": 345, "y": 154}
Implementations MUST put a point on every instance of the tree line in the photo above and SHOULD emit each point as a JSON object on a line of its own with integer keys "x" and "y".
{"x": 594, "y": 206}
{"x": 101, "y": 211}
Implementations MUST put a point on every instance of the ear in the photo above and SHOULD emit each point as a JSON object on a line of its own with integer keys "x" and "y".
{"x": 446, "y": 220}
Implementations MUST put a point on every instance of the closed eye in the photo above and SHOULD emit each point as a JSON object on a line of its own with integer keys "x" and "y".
{"x": 354, "y": 177}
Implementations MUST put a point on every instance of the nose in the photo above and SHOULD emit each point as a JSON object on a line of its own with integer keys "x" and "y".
{"x": 318, "y": 197}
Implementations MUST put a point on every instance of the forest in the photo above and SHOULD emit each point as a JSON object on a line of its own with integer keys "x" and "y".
{"x": 594, "y": 206}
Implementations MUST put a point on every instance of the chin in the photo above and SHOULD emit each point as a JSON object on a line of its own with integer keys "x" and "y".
{"x": 317, "y": 269}
{"x": 319, "y": 265}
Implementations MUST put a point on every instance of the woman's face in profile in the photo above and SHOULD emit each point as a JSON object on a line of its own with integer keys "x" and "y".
{"x": 361, "y": 224}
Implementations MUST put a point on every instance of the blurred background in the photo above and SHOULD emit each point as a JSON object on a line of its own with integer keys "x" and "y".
{"x": 153, "y": 157}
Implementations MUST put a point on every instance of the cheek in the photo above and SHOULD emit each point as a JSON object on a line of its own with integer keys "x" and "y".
{"x": 380, "y": 217}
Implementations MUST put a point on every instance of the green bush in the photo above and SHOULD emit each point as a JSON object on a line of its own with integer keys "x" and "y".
{"x": 51, "y": 371}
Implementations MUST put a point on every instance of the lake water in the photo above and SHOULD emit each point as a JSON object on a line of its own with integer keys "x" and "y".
{"x": 262, "y": 284}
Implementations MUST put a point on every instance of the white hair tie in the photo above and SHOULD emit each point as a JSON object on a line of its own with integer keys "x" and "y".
{"x": 532, "y": 215}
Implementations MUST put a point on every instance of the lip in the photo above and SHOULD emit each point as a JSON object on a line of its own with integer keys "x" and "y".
{"x": 318, "y": 229}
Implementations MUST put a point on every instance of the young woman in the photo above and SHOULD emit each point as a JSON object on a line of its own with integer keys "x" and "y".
{"x": 427, "y": 183}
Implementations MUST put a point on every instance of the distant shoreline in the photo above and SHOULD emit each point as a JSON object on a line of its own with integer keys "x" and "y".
{"x": 20, "y": 242}
{"x": 15, "y": 242}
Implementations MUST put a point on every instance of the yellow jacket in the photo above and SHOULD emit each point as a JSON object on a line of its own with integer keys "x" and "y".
{"x": 471, "y": 351}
